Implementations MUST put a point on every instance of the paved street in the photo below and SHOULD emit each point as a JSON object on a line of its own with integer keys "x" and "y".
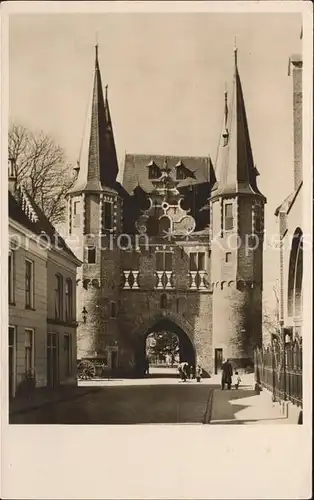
{"x": 160, "y": 398}
{"x": 153, "y": 400}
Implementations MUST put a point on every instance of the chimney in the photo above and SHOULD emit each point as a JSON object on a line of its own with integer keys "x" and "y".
{"x": 12, "y": 175}
{"x": 295, "y": 68}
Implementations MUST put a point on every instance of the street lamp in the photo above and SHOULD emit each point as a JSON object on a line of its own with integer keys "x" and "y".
{"x": 84, "y": 314}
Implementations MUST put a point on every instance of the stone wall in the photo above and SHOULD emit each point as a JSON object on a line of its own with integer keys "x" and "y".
{"x": 237, "y": 313}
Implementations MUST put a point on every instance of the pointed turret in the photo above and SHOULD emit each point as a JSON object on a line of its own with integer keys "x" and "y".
{"x": 98, "y": 165}
{"x": 235, "y": 165}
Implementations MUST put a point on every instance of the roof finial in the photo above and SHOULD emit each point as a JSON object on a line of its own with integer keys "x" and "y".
{"x": 235, "y": 50}
{"x": 226, "y": 104}
{"x": 96, "y": 49}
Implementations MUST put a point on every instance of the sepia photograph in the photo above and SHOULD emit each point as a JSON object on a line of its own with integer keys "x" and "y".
{"x": 156, "y": 237}
{"x": 140, "y": 273}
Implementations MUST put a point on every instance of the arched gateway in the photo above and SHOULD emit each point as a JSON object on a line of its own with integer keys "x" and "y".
{"x": 167, "y": 324}
{"x": 154, "y": 247}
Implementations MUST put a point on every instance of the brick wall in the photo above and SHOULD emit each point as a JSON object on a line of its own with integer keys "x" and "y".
{"x": 190, "y": 310}
{"x": 236, "y": 320}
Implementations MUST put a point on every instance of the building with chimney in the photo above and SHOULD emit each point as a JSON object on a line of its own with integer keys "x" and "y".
{"x": 290, "y": 218}
{"x": 42, "y": 298}
{"x": 158, "y": 250}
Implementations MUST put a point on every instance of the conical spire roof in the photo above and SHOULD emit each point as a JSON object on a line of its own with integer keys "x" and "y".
{"x": 98, "y": 165}
{"x": 235, "y": 167}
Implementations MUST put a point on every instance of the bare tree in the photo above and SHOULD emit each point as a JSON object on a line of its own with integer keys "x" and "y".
{"x": 41, "y": 167}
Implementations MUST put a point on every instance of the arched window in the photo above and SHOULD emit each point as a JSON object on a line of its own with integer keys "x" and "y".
{"x": 164, "y": 225}
{"x": 163, "y": 301}
{"x": 68, "y": 300}
{"x": 295, "y": 275}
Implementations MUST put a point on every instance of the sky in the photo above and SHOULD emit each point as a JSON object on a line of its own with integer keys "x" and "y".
{"x": 166, "y": 75}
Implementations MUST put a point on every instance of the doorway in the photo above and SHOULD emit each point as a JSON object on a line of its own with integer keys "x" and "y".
{"x": 12, "y": 343}
{"x": 52, "y": 360}
{"x": 218, "y": 360}
{"x": 114, "y": 360}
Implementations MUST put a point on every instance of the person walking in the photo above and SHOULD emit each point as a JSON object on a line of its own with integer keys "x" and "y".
{"x": 182, "y": 369}
{"x": 238, "y": 380}
{"x": 198, "y": 373}
{"x": 226, "y": 377}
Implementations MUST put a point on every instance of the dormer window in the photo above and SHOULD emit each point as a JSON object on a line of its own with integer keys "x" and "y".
{"x": 154, "y": 171}
{"x": 182, "y": 172}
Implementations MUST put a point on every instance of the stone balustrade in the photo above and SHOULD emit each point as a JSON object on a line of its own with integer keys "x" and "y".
{"x": 198, "y": 280}
{"x": 165, "y": 280}
{"x": 130, "y": 280}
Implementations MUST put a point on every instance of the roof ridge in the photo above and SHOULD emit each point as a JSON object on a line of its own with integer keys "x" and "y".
{"x": 151, "y": 155}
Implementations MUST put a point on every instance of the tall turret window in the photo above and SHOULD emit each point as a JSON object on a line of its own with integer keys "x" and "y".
{"x": 76, "y": 213}
{"x": 258, "y": 219}
{"x": 228, "y": 217}
{"x": 108, "y": 215}
{"x": 91, "y": 255}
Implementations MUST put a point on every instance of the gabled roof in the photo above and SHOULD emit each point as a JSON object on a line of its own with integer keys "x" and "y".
{"x": 288, "y": 202}
{"x": 24, "y": 210}
{"x": 135, "y": 171}
{"x": 98, "y": 165}
{"x": 235, "y": 167}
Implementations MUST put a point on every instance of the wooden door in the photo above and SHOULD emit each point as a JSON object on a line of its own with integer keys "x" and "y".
{"x": 218, "y": 360}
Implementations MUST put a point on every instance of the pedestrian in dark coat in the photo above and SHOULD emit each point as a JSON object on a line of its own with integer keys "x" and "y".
{"x": 226, "y": 377}
{"x": 198, "y": 373}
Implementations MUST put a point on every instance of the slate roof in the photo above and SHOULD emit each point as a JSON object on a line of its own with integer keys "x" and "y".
{"x": 286, "y": 205}
{"x": 24, "y": 210}
{"x": 235, "y": 164}
{"x": 98, "y": 165}
{"x": 136, "y": 170}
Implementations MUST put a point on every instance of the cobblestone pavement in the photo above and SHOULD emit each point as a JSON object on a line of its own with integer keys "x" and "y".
{"x": 164, "y": 401}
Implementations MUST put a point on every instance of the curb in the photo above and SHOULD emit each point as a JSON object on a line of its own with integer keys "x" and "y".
{"x": 209, "y": 405}
{"x": 51, "y": 402}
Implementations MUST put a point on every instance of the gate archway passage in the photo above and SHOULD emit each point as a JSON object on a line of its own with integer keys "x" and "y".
{"x": 186, "y": 350}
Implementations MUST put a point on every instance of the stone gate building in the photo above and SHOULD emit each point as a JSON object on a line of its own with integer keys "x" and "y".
{"x": 176, "y": 247}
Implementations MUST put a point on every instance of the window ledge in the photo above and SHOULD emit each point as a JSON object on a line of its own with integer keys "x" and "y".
{"x": 55, "y": 321}
{"x": 29, "y": 308}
